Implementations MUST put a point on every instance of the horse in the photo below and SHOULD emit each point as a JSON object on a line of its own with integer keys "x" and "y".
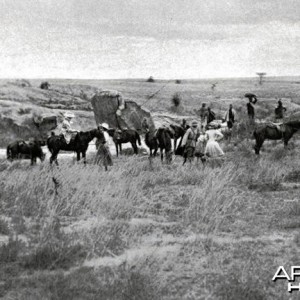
{"x": 272, "y": 132}
{"x": 125, "y": 136}
{"x": 151, "y": 142}
{"x": 163, "y": 136}
{"x": 177, "y": 132}
{"x": 30, "y": 150}
{"x": 79, "y": 144}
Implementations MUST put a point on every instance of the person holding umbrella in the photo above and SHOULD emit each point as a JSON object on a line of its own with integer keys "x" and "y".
{"x": 250, "y": 108}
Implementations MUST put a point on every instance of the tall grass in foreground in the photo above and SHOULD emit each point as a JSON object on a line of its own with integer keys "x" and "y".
{"x": 77, "y": 213}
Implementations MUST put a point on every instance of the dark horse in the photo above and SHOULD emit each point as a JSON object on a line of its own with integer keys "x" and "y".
{"x": 79, "y": 144}
{"x": 272, "y": 132}
{"x": 125, "y": 136}
{"x": 151, "y": 142}
{"x": 177, "y": 132}
{"x": 21, "y": 149}
{"x": 163, "y": 136}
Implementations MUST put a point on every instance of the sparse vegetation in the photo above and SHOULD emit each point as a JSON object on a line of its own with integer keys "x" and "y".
{"x": 176, "y": 99}
{"x": 141, "y": 231}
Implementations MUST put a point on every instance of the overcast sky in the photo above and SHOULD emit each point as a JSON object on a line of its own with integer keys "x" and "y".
{"x": 138, "y": 38}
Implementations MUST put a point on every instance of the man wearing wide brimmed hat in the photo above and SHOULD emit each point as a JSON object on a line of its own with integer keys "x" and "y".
{"x": 103, "y": 153}
{"x": 66, "y": 128}
{"x": 189, "y": 142}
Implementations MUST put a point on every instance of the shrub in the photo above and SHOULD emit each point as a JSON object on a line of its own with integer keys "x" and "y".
{"x": 45, "y": 85}
{"x": 177, "y": 81}
{"x": 150, "y": 79}
{"x": 9, "y": 252}
{"x": 54, "y": 255}
{"x": 176, "y": 99}
{"x": 24, "y": 111}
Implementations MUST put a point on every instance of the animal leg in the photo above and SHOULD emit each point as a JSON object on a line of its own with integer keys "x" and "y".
{"x": 78, "y": 156}
{"x": 258, "y": 145}
{"x": 54, "y": 157}
{"x": 117, "y": 149}
{"x": 135, "y": 148}
{"x": 84, "y": 157}
{"x": 175, "y": 143}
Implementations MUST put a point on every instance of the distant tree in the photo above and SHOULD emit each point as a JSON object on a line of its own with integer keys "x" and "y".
{"x": 150, "y": 79}
{"x": 261, "y": 76}
{"x": 178, "y": 81}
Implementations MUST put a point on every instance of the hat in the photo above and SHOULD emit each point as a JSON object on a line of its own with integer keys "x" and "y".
{"x": 69, "y": 115}
{"x": 104, "y": 125}
{"x": 194, "y": 123}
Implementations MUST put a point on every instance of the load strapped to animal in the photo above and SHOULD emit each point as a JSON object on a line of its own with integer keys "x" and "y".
{"x": 110, "y": 107}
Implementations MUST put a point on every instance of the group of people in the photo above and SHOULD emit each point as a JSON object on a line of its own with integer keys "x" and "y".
{"x": 279, "y": 110}
{"x": 200, "y": 137}
{"x": 202, "y": 142}
{"x": 207, "y": 116}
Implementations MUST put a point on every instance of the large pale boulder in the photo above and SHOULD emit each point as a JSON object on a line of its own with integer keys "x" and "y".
{"x": 21, "y": 121}
{"x": 110, "y": 107}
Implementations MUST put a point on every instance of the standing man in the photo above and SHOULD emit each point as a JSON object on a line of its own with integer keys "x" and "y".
{"x": 279, "y": 111}
{"x": 230, "y": 116}
{"x": 189, "y": 142}
{"x": 203, "y": 113}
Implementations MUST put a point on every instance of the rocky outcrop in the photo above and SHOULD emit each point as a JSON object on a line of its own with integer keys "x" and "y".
{"x": 18, "y": 123}
{"x": 111, "y": 108}
{"x": 45, "y": 122}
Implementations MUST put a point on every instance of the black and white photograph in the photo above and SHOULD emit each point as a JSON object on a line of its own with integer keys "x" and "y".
{"x": 149, "y": 150}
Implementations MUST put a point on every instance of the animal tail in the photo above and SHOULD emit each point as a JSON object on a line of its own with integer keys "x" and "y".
{"x": 8, "y": 152}
{"x": 138, "y": 138}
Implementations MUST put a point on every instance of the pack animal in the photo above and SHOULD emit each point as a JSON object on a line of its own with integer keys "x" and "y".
{"x": 125, "y": 136}
{"x": 273, "y": 132}
{"x": 79, "y": 144}
{"x": 151, "y": 142}
{"x": 26, "y": 150}
{"x": 163, "y": 136}
{"x": 177, "y": 132}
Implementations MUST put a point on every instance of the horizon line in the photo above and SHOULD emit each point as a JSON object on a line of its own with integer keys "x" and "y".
{"x": 145, "y": 78}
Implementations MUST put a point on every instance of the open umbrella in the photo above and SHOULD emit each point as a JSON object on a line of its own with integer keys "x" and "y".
{"x": 251, "y": 97}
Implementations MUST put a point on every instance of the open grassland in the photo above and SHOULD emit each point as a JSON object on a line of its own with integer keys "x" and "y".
{"x": 149, "y": 230}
